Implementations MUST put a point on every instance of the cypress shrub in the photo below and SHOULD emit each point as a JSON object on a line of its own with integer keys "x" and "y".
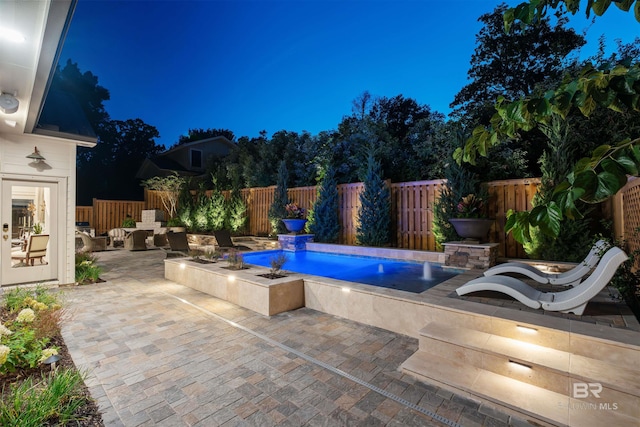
{"x": 325, "y": 225}
{"x": 374, "y": 216}
{"x": 277, "y": 209}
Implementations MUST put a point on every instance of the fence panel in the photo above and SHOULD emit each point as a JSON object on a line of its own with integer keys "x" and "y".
{"x": 152, "y": 200}
{"x": 411, "y": 214}
{"x": 515, "y": 194}
{"x": 109, "y": 214}
{"x": 348, "y": 205}
{"x": 84, "y": 214}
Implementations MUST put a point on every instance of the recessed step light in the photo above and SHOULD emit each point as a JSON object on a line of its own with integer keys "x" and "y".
{"x": 526, "y": 329}
{"x": 520, "y": 364}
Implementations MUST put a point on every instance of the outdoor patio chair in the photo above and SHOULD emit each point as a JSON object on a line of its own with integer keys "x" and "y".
{"x": 92, "y": 244}
{"x": 223, "y": 238}
{"x": 117, "y": 236}
{"x": 36, "y": 248}
{"x": 136, "y": 240}
{"x": 572, "y": 300}
{"x": 160, "y": 240}
{"x": 571, "y": 277}
{"x": 178, "y": 244}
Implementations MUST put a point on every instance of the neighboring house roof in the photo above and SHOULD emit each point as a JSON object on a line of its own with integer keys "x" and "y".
{"x": 179, "y": 159}
{"x": 215, "y": 140}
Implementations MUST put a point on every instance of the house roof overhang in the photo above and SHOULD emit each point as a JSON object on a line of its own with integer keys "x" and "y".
{"x": 27, "y": 66}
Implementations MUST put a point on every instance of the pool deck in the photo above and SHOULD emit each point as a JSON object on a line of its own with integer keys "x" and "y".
{"x": 469, "y": 345}
{"x": 161, "y": 354}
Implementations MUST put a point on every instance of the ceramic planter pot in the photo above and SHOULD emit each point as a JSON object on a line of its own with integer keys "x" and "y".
{"x": 294, "y": 225}
{"x": 472, "y": 228}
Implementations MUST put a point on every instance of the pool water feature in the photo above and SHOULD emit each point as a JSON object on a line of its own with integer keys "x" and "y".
{"x": 383, "y": 272}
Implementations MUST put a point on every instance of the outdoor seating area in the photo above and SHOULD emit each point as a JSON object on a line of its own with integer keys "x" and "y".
{"x": 92, "y": 244}
{"x": 572, "y": 300}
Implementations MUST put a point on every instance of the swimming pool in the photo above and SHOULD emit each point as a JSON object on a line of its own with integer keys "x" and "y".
{"x": 384, "y": 272}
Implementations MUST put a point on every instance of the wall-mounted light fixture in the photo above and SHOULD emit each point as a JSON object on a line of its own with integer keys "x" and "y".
{"x": 8, "y": 103}
{"x": 36, "y": 156}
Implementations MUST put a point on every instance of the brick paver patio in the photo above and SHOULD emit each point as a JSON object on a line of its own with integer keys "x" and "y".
{"x": 161, "y": 354}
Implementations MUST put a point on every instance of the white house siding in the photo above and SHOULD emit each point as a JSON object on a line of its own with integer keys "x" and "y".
{"x": 60, "y": 154}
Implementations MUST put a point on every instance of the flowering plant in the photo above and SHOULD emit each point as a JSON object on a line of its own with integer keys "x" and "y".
{"x": 294, "y": 211}
{"x": 471, "y": 206}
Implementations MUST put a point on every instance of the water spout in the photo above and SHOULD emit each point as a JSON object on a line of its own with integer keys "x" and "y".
{"x": 380, "y": 268}
{"x": 426, "y": 271}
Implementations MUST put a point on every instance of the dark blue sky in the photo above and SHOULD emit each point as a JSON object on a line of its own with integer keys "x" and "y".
{"x": 294, "y": 65}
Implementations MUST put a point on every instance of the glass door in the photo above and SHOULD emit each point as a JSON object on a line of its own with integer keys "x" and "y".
{"x": 29, "y": 231}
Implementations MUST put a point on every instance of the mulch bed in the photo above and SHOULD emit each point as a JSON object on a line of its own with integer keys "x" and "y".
{"x": 272, "y": 276}
{"x": 87, "y": 415}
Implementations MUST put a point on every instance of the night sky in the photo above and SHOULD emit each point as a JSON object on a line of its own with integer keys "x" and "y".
{"x": 268, "y": 65}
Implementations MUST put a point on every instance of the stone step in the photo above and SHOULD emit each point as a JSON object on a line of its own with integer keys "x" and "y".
{"x": 550, "y": 368}
{"x": 517, "y": 396}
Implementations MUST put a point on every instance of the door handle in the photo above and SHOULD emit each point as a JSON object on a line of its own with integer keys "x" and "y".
{"x": 5, "y": 237}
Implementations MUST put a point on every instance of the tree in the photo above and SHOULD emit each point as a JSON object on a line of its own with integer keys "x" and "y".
{"x": 512, "y": 64}
{"x": 108, "y": 170}
{"x": 374, "y": 215}
{"x": 169, "y": 188}
{"x": 326, "y": 225}
{"x": 594, "y": 178}
{"x": 394, "y": 119}
{"x": 533, "y": 11}
{"x": 277, "y": 210}
{"x": 85, "y": 89}
{"x": 199, "y": 134}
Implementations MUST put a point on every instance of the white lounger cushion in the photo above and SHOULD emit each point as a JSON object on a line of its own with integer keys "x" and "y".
{"x": 572, "y": 300}
{"x": 570, "y": 277}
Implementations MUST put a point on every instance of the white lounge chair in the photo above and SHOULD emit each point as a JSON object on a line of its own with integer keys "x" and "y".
{"x": 572, "y": 300}
{"x": 570, "y": 277}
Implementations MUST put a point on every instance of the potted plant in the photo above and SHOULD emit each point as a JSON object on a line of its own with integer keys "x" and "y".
{"x": 471, "y": 221}
{"x": 295, "y": 220}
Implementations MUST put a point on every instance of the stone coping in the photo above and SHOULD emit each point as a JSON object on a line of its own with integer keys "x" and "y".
{"x": 472, "y": 244}
{"x": 394, "y": 253}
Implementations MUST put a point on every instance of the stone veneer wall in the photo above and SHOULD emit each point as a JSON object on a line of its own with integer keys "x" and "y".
{"x": 470, "y": 255}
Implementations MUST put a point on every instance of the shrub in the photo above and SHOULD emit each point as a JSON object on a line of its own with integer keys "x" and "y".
{"x": 235, "y": 260}
{"x": 53, "y": 401}
{"x": 128, "y": 223}
{"x": 277, "y": 262}
{"x": 374, "y": 215}
{"x": 25, "y": 349}
{"x": 25, "y": 336}
{"x": 325, "y": 224}
{"x": 87, "y": 270}
{"x": 175, "y": 222}
{"x": 277, "y": 210}
{"x": 217, "y": 212}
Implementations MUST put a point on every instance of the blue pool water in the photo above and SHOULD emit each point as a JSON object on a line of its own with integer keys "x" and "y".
{"x": 383, "y": 272}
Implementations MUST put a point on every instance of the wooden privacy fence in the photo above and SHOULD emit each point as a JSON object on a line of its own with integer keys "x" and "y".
{"x": 107, "y": 214}
{"x": 411, "y": 210}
